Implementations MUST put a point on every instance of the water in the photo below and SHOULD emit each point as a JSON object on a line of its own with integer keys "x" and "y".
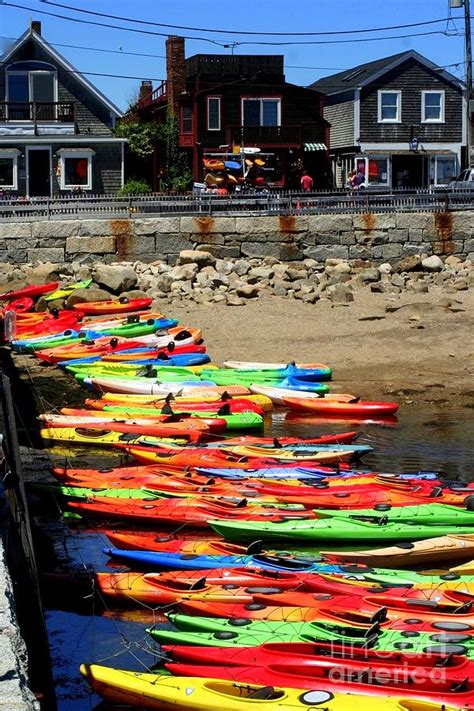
{"x": 430, "y": 438}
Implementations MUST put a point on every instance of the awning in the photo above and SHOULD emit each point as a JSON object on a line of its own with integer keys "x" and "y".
{"x": 314, "y": 147}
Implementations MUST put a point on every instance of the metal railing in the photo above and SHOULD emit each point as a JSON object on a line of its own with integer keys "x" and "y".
{"x": 37, "y": 111}
{"x": 270, "y": 203}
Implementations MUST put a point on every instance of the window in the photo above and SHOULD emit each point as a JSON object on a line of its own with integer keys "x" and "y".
{"x": 9, "y": 169}
{"x": 445, "y": 169}
{"x": 432, "y": 106}
{"x": 372, "y": 171}
{"x": 213, "y": 113}
{"x": 186, "y": 119}
{"x": 30, "y": 81}
{"x": 75, "y": 169}
{"x": 261, "y": 112}
{"x": 390, "y": 106}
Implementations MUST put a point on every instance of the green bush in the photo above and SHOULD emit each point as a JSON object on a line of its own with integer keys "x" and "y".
{"x": 135, "y": 187}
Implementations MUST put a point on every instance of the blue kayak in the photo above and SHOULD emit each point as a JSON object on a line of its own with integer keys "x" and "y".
{"x": 190, "y": 561}
{"x": 298, "y": 473}
{"x": 181, "y": 360}
{"x": 301, "y": 447}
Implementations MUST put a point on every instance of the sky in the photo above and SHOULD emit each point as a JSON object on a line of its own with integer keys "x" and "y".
{"x": 304, "y": 63}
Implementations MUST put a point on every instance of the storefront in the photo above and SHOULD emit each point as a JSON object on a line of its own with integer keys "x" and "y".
{"x": 407, "y": 169}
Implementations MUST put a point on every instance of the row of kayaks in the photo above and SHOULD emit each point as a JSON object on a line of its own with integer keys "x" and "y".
{"x": 251, "y": 626}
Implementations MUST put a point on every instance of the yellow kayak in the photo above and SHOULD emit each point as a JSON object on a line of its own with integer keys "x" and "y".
{"x": 127, "y": 399}
{"x": 155, "y": 691}
{"x": 67, "y": 289}
{"x": 464, "y": 568}
{"x": 103, "y": 437}
{"x": 285, "y": 455}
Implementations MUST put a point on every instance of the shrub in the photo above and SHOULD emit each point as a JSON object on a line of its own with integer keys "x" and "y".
{"x": 135, "y": 187}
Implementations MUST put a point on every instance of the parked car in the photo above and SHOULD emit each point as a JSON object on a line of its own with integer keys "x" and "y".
{"x": 465, "y": 181}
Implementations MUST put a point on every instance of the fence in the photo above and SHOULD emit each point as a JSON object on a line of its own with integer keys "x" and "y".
{"x": 269, "y": 203}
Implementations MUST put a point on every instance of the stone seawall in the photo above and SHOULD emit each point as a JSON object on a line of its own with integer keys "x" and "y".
{"x": 371, "y": 237}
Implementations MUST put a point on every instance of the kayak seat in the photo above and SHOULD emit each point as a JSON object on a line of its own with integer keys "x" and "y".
{"x": 266, "y": 693}
{"x": 405, "y": 546}
{"x": 198, "y": 584}
{"x": 460, "y": 687}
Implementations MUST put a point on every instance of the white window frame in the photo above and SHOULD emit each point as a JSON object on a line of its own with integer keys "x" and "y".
{"x": 366, "y": 159}
{"x": 218, "y": 99}
{"x": 435, "y": 167}
{"x": 398, "y": 92}
{"x": 261, "y": 99}
{"x": 82, "y": 155}
{"x": 442, "y": 93}
{"x": 13, "y": 154}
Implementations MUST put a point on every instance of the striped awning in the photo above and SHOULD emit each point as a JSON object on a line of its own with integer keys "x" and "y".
{"x": 315, "y": 147}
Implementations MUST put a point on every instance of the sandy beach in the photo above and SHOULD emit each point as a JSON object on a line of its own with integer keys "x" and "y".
{"x": 413, "y": 345}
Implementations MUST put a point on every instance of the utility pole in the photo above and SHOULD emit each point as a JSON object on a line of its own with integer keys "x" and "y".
{"x": 468, "y": 50}
{"x": 468, "y": 58}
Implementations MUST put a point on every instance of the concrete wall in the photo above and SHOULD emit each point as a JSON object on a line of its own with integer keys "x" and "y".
{"x": 367, "y": 237}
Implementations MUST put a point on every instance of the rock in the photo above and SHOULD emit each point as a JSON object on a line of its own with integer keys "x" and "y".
{"x": 409, "y": 264}
{"x": 341, "y": 268}
{"x": 310, "y": 298}
{"x": 398, "y": 280}
{"x": 377, "y": 287}
{"x": 133, "y": 294}
{"x": 115, "y": 278}
{"x": 270, "y": 261}
{"x": 241, "y": 267}
{"x": 293, "y": 273}
{"x": 44, "y": 273}
{"x": 163, "y": 283}
{"x": 340, "y": 294}
{"x": 80, "y": 296}
{"x": 202, "y": 259}
{"x": 432, "y": 264}
{"x": 261, "y": 273}
{"x": 233, "y": 300}
{"x": 249, "y": 291}
{"x": 219, "y": 298}
{"x": 280, "y": 287}
{"x": 185, "y": 272}
{"x": 452, "y": 261}
{"x": 385, "y": 268}
{"x": 460, "y": 284}
{"x": 369, "y": 275}
{"x": 280, "y": 270}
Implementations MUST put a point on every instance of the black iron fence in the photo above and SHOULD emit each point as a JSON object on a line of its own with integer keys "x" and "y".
{"x": 268, "y": 203}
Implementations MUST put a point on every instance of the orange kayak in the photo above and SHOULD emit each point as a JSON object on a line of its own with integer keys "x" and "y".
{"x": 361, "y": 408}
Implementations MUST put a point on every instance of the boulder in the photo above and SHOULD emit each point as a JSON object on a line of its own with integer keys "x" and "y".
{"x": 340, "y": 293}
{"x": 369, "y": 275}
{"x": 432, "y": 264}
{"x": 280, "y": 287}
{"x": 234, "y": 300}
{"x": 242, "y": 266}
{"x": 115, "y": 278}
{"x": 196, "y": 256}
{"x": 409, "y": 264}
{"x": 460, "y": 284}
{"x": 385, "y": 268}
{"x": 249, "y": 291}
{"x": 184, "y": 272}
{"x": 81, "y": 296}
{"x": 261, "y": 273}
{"x": 44, "y": 273}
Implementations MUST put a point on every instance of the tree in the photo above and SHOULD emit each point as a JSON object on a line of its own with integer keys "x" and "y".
{"x": 141, "y": 136}
{"x": 177, "y": 166}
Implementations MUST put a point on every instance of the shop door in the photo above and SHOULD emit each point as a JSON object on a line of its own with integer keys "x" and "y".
{"x": 39, "y": 172}
{"x": 408, "y": 172}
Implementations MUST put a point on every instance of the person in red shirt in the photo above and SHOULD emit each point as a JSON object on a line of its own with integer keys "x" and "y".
{"x": 306, "y": 182}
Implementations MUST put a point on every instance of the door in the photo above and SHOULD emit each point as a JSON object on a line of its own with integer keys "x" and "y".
{"x": 408, "y": 171}
{"x": 39, "y": 172}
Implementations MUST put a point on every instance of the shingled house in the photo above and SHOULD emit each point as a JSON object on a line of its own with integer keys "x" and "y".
{"x": 398, "y": 120}
{"x": 56, "y": 128}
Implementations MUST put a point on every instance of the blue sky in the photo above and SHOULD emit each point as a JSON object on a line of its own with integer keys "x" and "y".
{"x": 254, "y": 15}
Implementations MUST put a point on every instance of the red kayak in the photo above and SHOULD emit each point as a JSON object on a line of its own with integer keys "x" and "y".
{"x": 342, "y": 668}
{"x": 151, "y": 541}
{"x": 361, "y": 408}
{"x": 232, "y": 406}
{"x": 31, "y": 291}
{"x": 193, "y": 510}
{"x": 113, "y": 306}
{"x": 106, "y": 345}
{"x": 20, "y": 306}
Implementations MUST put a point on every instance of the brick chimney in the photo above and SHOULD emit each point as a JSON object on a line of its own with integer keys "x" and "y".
{"x": 35, "y": 26}
{"x": 175, "y": 71}
{"x": 145, "y": 92}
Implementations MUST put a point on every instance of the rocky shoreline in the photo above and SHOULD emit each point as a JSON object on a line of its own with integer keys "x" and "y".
{"x": 200, "y": 277}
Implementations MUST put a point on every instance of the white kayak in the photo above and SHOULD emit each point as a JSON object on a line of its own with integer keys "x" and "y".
{"x": 278, "y": 395}
{"x": 148, "y": 386}
{"x": 250, "y": 365}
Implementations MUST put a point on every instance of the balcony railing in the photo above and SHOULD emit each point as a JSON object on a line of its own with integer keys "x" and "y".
{"x": 284, "y": 135}
{"x": 156, "y": 96}
{"x": 38, "y": 111}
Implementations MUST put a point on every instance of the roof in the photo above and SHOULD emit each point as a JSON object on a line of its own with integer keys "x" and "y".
{"x": 62, "y": 62}
{"x": 366, "y": 73}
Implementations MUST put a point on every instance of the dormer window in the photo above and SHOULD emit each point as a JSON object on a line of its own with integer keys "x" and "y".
{"x": 28, "y": 82}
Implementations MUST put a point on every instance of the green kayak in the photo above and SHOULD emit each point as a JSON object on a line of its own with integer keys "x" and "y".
{"x": 422, "y": 513}
{"x": 64, "y": 291}
{"x": 332, "y": 528}
{"x": 264, "y": 374}
{"x": 78, "y": 492}
{"x": 241, "y": 632}
{"x": 129, "y": 370}
{"x": 235, "y": 421}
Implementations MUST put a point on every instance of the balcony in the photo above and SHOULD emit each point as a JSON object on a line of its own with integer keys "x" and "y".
{"x": 37, "y": 118}
{"x": 157, "y": 96}
{"x": 265, "y": 135}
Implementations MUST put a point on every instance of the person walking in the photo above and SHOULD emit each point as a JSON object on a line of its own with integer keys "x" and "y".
{"x": 306, "y": 182}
